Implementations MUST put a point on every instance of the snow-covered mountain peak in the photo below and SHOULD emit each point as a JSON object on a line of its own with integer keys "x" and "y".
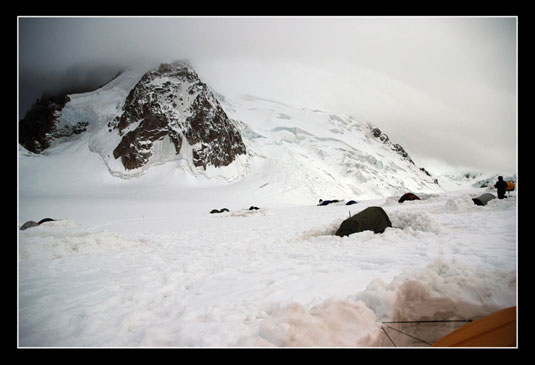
{"x": 168, "y": 117}
{"x": 171, "y": 104}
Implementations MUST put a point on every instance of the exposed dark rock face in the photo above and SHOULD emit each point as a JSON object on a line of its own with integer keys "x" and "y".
{"x": 38, "y": 129}
{"x": 172, "y": 101}
{"x": 376, "y": 132}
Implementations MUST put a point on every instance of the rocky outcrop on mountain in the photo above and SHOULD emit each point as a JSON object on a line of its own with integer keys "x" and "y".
{"x": 376, "y": 132}
{"x": 171, "y": 101}
{"x": 38, "y": 129}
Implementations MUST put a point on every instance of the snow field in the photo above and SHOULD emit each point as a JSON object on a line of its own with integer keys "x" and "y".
{"x": 173, "y": 277}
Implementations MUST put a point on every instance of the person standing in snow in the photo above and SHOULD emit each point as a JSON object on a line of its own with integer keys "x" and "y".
{"x": 501, "y": 186}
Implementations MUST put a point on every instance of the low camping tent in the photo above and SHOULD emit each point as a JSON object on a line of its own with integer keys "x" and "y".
{"x": 327, "y": 202}
{"x": 495, "y": 330}
{"x": 510, "y": 183}
{"x": 370, "y": 219}
{"x": 510, "y": 186}
{"x": 215, "y": 211}
{"x": 483, "y": 199}
{"x": 408, "y": 196}
{"x": 29, "y": 224}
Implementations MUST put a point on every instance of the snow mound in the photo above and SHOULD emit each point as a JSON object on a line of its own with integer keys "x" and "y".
{"x": 502, "y": 204}
{"x": 62, "y": 238}
{"x": 416, "y": 221}
{"x": 333, "y": 323}
{"x": 324, "y": 230}
{"x": 446, "y": 289}
{"x": 459, "y": 204}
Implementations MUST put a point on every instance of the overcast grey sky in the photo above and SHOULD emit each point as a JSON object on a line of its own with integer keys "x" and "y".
{"x": 445, "y": 88}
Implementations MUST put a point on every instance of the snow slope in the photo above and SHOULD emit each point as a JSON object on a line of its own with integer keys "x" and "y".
{"x": 315, "y": 154}
{"x": 140, "y": 262}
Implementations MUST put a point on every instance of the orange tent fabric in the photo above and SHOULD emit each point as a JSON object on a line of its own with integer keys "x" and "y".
{"x": 408, "y": 196}
{"x": 495, "y": 330}
{"x": 510, "y": 186}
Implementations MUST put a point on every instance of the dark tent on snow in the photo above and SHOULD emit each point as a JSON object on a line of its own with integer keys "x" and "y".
{"x": 327, "y": 202}
{"x": 408, "y": 196}
{"x": 370, "y": 219}
{"x": 31, "y": 224}
{"x": 28, "y": 224}
{"x": 483, "y": 199}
